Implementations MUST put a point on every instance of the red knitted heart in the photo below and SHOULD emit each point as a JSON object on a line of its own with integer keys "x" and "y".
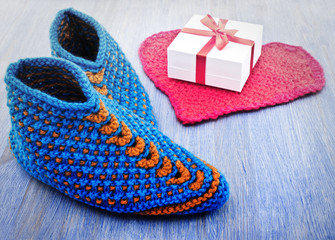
{"x": 282, "y": 73}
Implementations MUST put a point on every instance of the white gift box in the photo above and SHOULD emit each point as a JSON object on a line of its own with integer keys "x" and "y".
{"x": 228, "y": 68}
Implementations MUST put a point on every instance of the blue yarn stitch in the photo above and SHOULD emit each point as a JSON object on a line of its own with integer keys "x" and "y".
{"x": 86, "y": 43}
{"x": 56, "y": 142}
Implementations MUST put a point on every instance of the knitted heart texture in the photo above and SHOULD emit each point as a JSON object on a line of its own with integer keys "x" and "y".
{"x": 281, "y": 74}
{"x": 94, "y": 150}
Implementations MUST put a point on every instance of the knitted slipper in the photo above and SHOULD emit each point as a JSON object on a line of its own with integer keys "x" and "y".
{"x": 282, "y": 73}
{"x": 81, "y": 39}
{"x": 70, "y": 137}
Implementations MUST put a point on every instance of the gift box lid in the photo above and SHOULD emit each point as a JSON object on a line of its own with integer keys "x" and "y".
{"x": 232, "y": 62}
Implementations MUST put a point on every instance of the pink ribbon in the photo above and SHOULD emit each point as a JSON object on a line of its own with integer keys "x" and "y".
{"x": 220, "y": 37}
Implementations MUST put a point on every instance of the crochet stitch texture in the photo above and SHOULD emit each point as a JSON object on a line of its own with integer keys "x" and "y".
{"x": 81, "y": 39}
{"x": 96, "y": 151}
{"x": 282, "y": 74}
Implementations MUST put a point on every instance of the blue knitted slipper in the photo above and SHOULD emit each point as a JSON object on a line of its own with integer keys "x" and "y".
{"x": 81, "y": 39}
{"x": 96, "y": 151}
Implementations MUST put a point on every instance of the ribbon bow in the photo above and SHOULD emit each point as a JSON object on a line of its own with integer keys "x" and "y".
{"x": 219, "y": 30}
{"x": 219, "y": 38}
{"x": 222, "y": 35}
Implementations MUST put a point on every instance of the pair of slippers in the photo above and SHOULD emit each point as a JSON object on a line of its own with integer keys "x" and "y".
{"x": 83, "y": 124}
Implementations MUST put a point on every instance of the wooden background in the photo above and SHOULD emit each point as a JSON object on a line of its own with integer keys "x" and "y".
{"x": 279, "y": 161}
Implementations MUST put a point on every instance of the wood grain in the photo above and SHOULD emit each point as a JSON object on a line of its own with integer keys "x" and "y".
{"x": 279, "y": 161}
